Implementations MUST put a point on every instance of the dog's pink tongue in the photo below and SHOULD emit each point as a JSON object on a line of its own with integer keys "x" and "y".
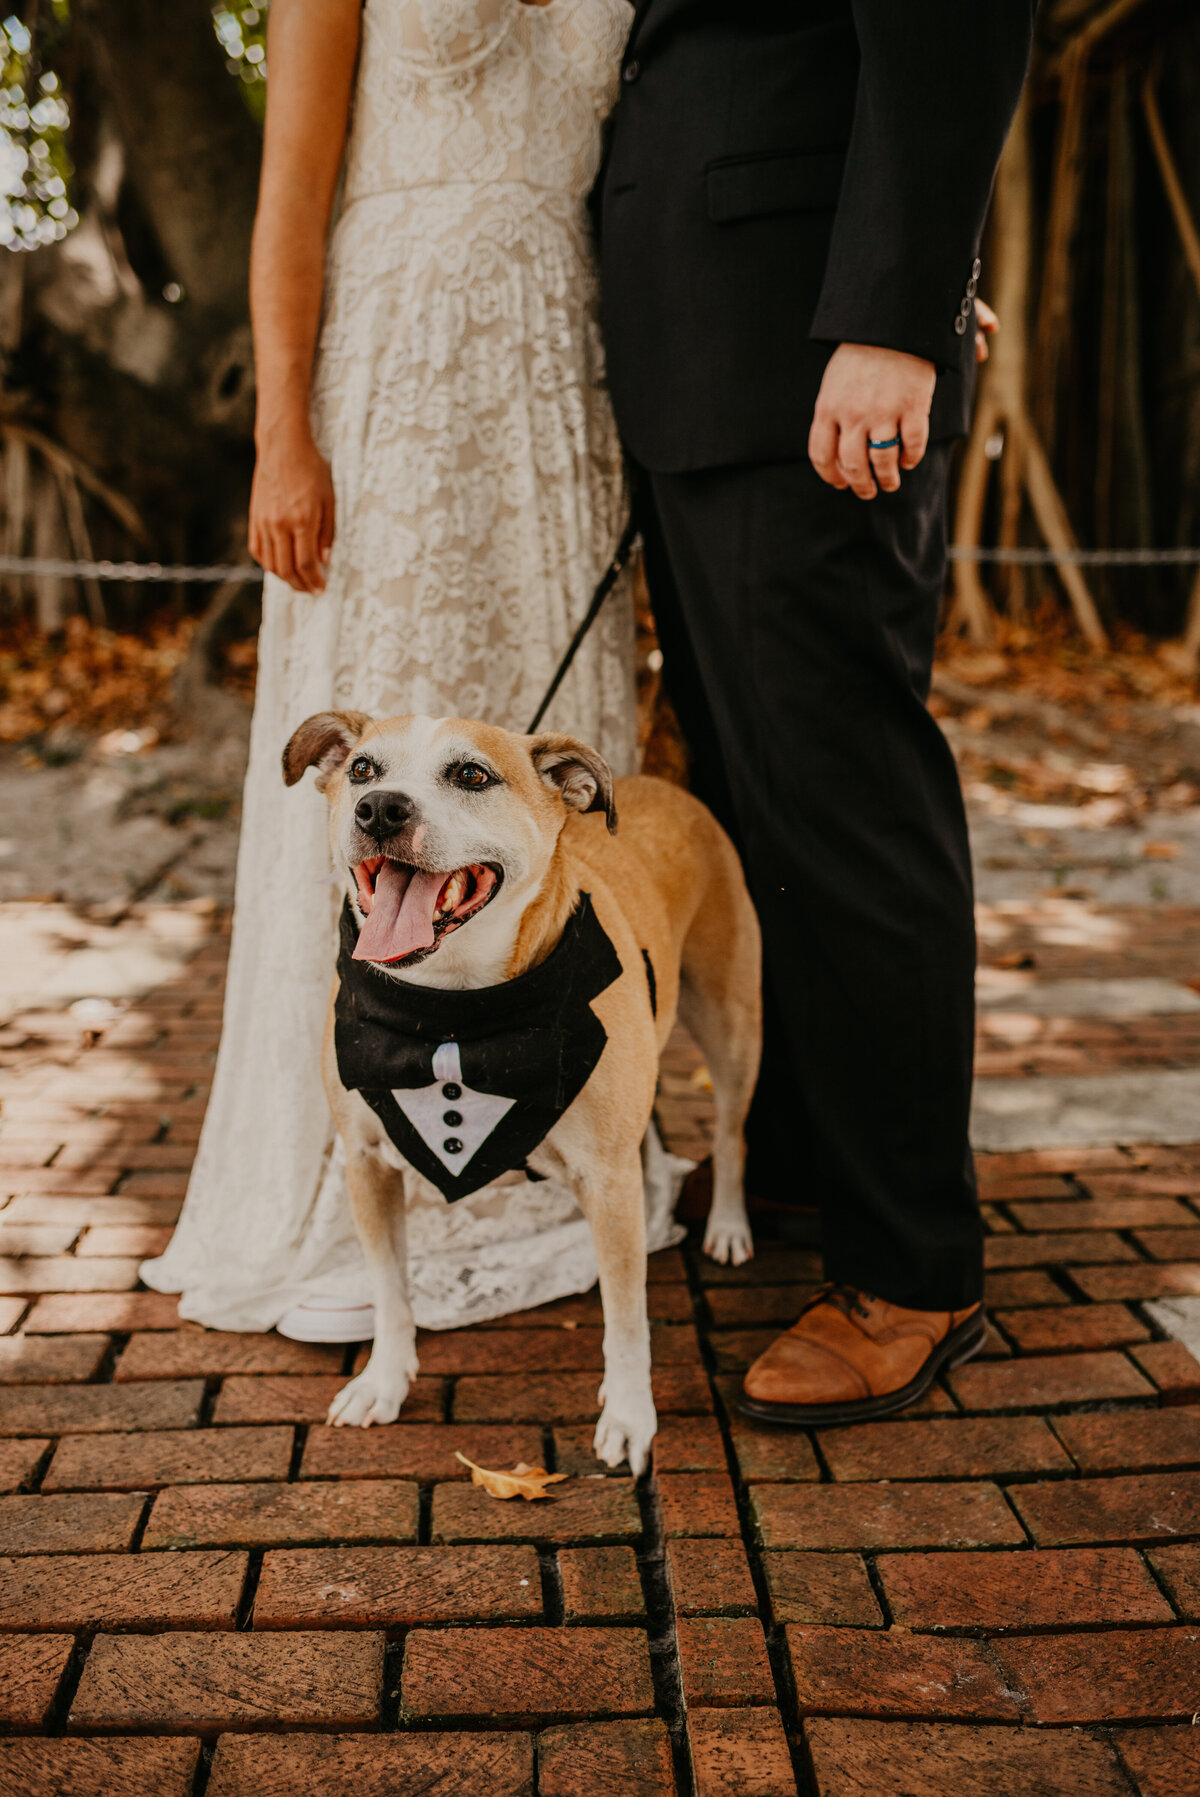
{"x": 401, "y": 919}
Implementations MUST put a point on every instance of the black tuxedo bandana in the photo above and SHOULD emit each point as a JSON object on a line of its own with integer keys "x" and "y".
{"x": 468, "y": 1083}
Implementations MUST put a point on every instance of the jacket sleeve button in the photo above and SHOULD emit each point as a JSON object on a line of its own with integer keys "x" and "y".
{"x": 960, "y": 325}
{"x": 976, "y": 269}
{"x": 631, "y": 71}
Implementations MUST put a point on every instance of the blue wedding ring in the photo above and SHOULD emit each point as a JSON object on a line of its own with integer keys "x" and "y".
{"x": 888, "y": 443}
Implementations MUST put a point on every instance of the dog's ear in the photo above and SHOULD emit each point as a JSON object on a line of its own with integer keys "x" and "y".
{"x": 580, "y": 774}
{"x": 322, "y": 741}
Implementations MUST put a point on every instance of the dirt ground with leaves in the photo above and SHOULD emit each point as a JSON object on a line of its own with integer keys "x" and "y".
{"x": 1081, "y": 770}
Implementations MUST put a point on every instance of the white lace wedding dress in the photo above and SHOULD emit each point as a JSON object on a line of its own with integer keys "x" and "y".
{"x": 459, "y": 396}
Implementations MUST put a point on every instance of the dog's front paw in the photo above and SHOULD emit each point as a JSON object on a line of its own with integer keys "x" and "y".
{"x": 729, "y": 1240}
{"x": 626, "y": 1430}
{"x": 374, "y": 1397}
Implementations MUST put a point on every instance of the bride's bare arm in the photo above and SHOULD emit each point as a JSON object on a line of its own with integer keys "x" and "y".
{"x": 312, "y": 46}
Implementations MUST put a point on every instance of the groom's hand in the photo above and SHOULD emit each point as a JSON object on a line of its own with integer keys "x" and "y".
{"x": 876, "y": 393}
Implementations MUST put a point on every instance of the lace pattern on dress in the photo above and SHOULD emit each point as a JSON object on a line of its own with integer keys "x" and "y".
{"x": 459, "y": 396}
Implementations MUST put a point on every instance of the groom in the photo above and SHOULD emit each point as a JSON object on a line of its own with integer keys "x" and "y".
{"x": 790, "y": 214}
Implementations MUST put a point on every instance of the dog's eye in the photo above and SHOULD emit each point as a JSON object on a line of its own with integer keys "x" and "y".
{"x": 472, "y": 776}
{"x": 363, "y": 768}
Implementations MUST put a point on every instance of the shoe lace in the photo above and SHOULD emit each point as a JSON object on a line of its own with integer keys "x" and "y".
{"x": 846, "y": 1298}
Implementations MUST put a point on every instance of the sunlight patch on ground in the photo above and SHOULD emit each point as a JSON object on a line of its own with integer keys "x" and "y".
{"x": 1004, "y": 991}
{"x": 1086, "y": 1110}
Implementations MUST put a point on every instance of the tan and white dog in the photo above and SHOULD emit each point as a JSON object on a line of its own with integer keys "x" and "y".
{"x": 465, "y": 850}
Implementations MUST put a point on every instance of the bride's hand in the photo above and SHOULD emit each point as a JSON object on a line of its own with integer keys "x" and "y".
{"x": 292, "y": 509}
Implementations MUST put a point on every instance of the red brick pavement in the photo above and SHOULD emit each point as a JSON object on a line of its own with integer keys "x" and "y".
{"x": 203, "y": 1588}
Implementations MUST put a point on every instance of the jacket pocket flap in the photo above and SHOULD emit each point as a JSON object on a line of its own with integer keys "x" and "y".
{"x": 751, "y": 186}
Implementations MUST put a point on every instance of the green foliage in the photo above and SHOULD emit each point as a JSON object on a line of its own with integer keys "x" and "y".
{"x": 35, "y": 169}
{"x": 242, "y": 33}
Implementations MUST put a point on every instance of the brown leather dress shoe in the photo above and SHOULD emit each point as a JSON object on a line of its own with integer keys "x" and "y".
{"x": 851, "y": 1357}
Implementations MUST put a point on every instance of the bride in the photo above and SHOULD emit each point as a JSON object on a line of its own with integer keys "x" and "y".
{"x": 438, "y": 491}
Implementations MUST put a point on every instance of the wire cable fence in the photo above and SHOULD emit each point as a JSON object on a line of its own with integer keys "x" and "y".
{"x": 215, "y": 575}
{"x": 1086, "y": 558}
{"x": 249, "y": 573}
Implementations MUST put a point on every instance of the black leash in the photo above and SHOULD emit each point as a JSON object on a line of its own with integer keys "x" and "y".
{"x": 607, "y": 582}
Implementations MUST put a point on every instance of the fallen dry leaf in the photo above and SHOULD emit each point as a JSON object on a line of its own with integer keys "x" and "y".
{"x": 1160, "y": 851}
{"x": 524, "y": 1481}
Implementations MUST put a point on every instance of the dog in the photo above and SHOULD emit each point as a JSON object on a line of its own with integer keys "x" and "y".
{"x": 510, "y": 970}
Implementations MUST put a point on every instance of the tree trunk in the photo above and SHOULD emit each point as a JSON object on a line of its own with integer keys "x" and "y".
{"x": 191, "y": 148}
{"x": 151, "y": 392}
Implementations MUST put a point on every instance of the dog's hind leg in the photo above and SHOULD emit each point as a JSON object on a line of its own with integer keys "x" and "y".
{"x": 377, "y": 1200}
{"x": 720, "y": 1002}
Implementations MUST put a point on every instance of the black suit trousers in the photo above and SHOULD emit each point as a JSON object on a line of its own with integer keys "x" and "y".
{"x": 797, "y": 626}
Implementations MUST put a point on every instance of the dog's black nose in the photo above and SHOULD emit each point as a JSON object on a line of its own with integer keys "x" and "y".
{"x": 382, "y": 813}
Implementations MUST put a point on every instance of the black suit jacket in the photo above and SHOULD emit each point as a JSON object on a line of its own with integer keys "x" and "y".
{"x": 783, "y": 176}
